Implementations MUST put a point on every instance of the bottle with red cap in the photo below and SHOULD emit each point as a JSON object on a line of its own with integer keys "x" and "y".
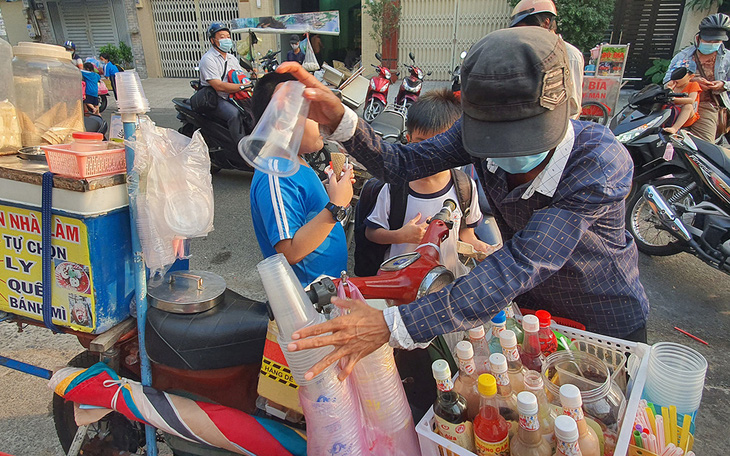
{"x": 548, "y": 341}
{"x": 531, "y": 356}
{"x": 87, "y": 142}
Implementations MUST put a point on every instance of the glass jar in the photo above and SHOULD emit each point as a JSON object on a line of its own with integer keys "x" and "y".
{"x": 603, "y": 401}
{"x": 48, "y": 94}
{"x": 88, "y": 142}
{"x": 9, "y": 127}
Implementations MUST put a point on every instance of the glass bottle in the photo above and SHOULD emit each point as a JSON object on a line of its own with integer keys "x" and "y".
{"x": 466, "y": 383}
{"x": 546, "y": 412}
{"x": 477, "y": 337}
{"x": 512, "y": 322}
{"x": 548, "y": 341}
{"x": 529, "y": 441}
{"x": 573, "y": 407}
{"x": 506, "y": 398}
{"x": 531, "y": 355}
{"x": 566, "y": 433}
{"x": 449, "y": 409}
{"x": 512, "y": 353}
{"x": 499, "y": 324}
{"x": 491, "y": 431}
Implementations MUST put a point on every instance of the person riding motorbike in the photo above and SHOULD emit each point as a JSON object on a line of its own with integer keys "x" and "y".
{"x": 71, "y": 47}
{"x": 558, "y": 197}
{"x": 214, "y": 66}
{"x": 542, "y": 13}
{"x": 713, "y": 72}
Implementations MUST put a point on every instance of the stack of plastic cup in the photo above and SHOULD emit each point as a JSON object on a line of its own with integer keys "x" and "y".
{"x": 130, "y": 94}
{"x": 391, "y": 431}
{"x": 676, "y": 376}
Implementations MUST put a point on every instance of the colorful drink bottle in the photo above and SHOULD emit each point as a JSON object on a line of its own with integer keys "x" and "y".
{"x": 529, "y": 441}
{"x": 478, "y": 339}
{"x": 531, "y": 356}
{"x": 566, "y": 433}
{"x": 512, "y": 323}
{"x": 548, "y": 341}
{"x": 499, "y": 324}
{"x": 491, "y": 431}
{"x": 510, "y": 351}
{"x": 506, "y": 398}
{"x": 546, "y": 413}
{"x": 572, "y": 403}
{"x": 452, "y": 421}
{"x": 466, "y": 383}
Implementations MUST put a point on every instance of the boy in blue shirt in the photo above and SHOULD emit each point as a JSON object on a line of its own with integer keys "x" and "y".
{"x": 295, "y": 215}
{"x": 110, "y": 71}
{"x": 91, "y": 91}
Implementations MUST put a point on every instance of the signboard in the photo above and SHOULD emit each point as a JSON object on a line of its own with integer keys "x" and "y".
{"x": 322, "y": 23}
{"x": 604, "y": 90}
{"x": 612, "y": 60}
{"x": 21, "y": 278}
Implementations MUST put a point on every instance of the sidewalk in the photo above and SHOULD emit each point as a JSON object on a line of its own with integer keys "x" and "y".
{"x": 161, "y": 91}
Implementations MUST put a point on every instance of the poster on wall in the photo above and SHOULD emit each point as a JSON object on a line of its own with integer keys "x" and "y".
{"x": 322, "y": 23}
{"x": 21, "y": 278}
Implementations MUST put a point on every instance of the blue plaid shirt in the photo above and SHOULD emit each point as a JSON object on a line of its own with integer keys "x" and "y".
{"x": 569, "y": 254}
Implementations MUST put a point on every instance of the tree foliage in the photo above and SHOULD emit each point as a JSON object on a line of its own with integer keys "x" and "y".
{"x": 700, "y": 5}
{"x": 121, "y": 55}
{"x": 657, "y": 70}
{"x": 583, "y": 23}
{"x": 385, "y": 15}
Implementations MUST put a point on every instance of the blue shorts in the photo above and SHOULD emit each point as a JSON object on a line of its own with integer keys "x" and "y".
{"x": 92, "y": 100}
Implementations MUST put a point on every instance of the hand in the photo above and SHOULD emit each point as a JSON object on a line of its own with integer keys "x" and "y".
{"x": 716, "y": 85}
{"x": 482, "y": 246}
{"x": 671, "y": 85}
{"x": 325, "y": 108}
{"x": 339, "y": 188}
{"x": 412, "y": 232}
{"x": 354, "y": 336}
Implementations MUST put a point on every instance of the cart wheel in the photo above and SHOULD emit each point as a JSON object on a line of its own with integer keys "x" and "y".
{"x": 594, "y": 112}
{"x": 114, "y": 432}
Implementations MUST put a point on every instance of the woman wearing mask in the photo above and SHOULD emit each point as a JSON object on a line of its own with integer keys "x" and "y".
{"x": 713, "y": 72}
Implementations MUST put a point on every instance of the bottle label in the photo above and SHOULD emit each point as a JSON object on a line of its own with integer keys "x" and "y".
{"x": 492, "y": 448}
{"x": 509, "y": 311}
{"x": 575, "y": 413}
{"x": 445, "y": 385}
{"x": 461, "y": 434}
{"x": 529, "y": 422}
{"x": 568, "y": 448}
{"x": 511, "y": 353}
{"x": 496, "y": 329}
{"x": 502, "y": 378}
{"x": 468, "y": 366}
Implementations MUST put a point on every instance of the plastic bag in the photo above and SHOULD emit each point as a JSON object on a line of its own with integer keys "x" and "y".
{"x": 10, "y": 135}
{"x": 310, "y": 60}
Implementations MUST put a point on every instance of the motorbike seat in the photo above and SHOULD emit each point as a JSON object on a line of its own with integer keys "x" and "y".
{"x": 388, "y": 124}
{"x": 230, "y": 334}
{"x": 719, "y": 156}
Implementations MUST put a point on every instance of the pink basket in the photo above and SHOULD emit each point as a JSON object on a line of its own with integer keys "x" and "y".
{"x": 65, "y": 162}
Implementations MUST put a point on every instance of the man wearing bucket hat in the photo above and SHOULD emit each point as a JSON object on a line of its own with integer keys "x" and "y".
{"x": 557, "y": 187}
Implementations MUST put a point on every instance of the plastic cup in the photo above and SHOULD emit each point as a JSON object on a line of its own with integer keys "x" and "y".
{"x": 675, "y": 376}
{"x": 130, "y": 94}
{"x": 273, "y": 145}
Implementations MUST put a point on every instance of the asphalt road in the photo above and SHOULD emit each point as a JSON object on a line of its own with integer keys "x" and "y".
{"x": 683, "y": 292}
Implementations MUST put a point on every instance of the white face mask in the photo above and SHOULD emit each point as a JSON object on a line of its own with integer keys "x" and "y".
{"x": 520, "y": 165}
{"x": 294, "y": 45}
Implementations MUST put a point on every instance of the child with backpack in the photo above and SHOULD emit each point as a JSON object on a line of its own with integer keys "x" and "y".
{"x": 397, "y": 221}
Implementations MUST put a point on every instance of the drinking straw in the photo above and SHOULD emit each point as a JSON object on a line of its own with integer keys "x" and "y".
{"x": 673, "y": 423}
{"x": 684, "y": 440}
{"x": 690, "y": 453}
{"x": 669, "y": 450}
{"x": 660, "y": 432}
{"x": 691, "y": 335}
{"x": 651, "y": 419}
{"x": 637, "y": 439}
{"x": 666, "y": 420}
{"x": 653, "y": 409}
{"x": 650, "y": 441}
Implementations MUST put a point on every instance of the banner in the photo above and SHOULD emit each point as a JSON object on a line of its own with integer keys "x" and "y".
{"x": 322, "y": 23}
{"x": 612, "y": 61}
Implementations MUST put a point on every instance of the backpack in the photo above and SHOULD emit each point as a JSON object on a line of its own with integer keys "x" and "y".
{"x": 369, "y": 255}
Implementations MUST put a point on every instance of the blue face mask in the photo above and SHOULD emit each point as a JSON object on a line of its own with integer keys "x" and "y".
{"x": 520, "y": 165}
{"x": 708, "y": 48}
{"x": 225, "y": 44}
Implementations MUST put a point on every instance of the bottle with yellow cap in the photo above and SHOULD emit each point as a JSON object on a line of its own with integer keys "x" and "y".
{"x": 491, "y": 431}
{"x": 450, "y": 412}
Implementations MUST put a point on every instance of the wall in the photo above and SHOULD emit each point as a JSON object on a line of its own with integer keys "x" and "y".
{"x": 140, "y": 61}
{"x": 369, "y": 47}
{"x": 148, "y": 40}
{"x": 15, "y": 22}
{"x": 689, "y": 27}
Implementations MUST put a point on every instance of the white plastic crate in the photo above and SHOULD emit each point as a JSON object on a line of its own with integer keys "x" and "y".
{"x": 433, "y": 444}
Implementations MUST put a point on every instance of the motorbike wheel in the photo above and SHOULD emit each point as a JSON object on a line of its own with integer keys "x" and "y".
{"x": 593, "y": 111}
{"x": 102, "y": 103}
{"x": 644, "y": 226}
{"x": 113, "y": 434}
{"x": 372, "y": 110}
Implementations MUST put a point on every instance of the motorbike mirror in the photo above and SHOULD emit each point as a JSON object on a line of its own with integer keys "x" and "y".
{"x": 245, "y": 65}
{"x": 378, "y": 56}
{"x": 410, "y": 54}
{"x": 463, "y": 54}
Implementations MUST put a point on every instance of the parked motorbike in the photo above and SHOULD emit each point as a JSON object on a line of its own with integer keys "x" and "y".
{"x": 456, "y": 77}
{"x": 390, "y": 124}
{"x": 103, "y": 96}
{"x": 694, "y": 212}
{"x": 410, "y": 88}
{"x": 377, "y": 96}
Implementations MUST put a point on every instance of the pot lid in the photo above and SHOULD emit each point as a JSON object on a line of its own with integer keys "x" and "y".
{"x": 187, "y": 292}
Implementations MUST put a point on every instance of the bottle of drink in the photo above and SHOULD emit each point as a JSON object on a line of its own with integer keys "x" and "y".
{"x": 529, "y": 441}
{"x": 466, "y": 383}
{"x": 572, "y": 403}
{"x": 499, "y": 323}
{"x": 491, "y": 431}
{"x": 511, "y": 352}
{"x": 449, "y": 409}
{"x": 531, "y": 356}
{"x": 546, "y": 413}
{"x": 566, "y": 432}
{"x": 477, "y": 337}
{"x": 512, "y": 322}
{"x": 506, "y": 398}
{"x": 548, "y": 341}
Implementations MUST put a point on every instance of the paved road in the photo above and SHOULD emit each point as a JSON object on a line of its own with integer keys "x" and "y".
{"x": 683, "y": 292}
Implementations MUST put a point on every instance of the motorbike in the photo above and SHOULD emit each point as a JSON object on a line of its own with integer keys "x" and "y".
{"x": 269, "y": 62}
{"x": 456, "y": 78}
{"x": 694, "y": 213}
{"x": 390, "y": 124}
{"x": 410, "y": 88}
{"x": 103, "y": 96}
{"x": 377, "y": 96}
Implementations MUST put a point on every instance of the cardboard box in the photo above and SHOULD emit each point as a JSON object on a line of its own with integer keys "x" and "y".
{"x": 275, "y": 380}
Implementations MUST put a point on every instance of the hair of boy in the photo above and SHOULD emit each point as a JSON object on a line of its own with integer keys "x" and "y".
{"x": 264, "y": 90}
{"x": 433, "y": 112}
{"x": 537, "y": 20}
{"x": 88, "y": 66}
{"x": 105, "y": 56}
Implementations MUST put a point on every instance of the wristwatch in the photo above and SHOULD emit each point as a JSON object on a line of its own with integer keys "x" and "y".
{"x": 241, "y": 88}
{"x": 338, "y": 212}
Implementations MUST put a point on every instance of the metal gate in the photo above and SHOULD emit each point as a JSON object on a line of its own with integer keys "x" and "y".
{"x": 437, "y": 31}
{"x": 90, "y": 24}
{"x": 650, "y": 27}
{"x": 180, "y": 27}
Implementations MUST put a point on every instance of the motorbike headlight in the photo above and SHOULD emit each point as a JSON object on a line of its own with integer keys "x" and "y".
{"x": 638, "y": 131}
{"x": 372, "y": 84}
{"x": 386, "y": 73}
{"x": 435, "y": 279}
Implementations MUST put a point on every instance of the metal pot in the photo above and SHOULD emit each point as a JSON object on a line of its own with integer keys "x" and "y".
{"x": 186, "y": 292}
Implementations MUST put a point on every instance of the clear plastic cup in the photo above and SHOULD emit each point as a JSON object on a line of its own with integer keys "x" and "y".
{"x": 675, "y": 376}
{"x": 130, "y": 94}
{"x": 273, "y": 145}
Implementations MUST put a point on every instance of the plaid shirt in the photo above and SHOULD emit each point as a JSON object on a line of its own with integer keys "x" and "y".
{"x": 569, "y": 254}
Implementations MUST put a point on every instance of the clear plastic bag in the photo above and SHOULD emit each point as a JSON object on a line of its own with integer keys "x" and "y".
{"x": 310, "y": 60}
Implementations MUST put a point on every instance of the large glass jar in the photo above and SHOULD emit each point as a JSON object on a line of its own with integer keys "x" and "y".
{"x": 9, "y": 126}
{"x": 48, "y": 94}
{"x": 603, "y": 401}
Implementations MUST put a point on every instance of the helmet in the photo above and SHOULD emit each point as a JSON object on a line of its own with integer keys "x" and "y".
{"x": 715, "y": 27}
{"x": 216, "y": 27}
{"x": 529, "y": 7}
{"x": 69, "y": 45}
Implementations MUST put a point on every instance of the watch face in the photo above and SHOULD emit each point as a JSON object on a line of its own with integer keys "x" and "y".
{"x": 340, "y": 213}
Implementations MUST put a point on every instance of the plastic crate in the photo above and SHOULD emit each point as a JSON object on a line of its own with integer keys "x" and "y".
{"x": 81, "y": 165}
{"x": 433, "y": 444}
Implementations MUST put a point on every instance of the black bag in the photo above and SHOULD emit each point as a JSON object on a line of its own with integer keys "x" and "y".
{"x": 368, "y": 255}
{"x": 205, "y": 99}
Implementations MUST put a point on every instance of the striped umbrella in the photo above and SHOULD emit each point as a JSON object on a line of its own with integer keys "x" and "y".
{"x": 201, "y": 422}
